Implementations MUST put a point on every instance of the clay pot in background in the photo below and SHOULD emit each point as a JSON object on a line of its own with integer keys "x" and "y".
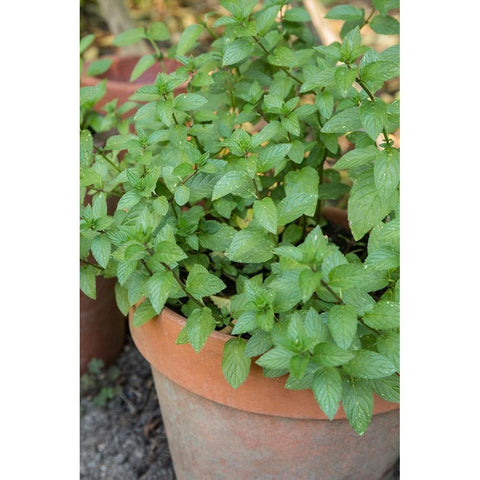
{"x": 102, "y": 325}
{"x": 261, "y": 429}
{"x": 118, "y": 78}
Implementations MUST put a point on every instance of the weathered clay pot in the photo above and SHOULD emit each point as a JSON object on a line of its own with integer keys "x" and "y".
{"x": 102, "y": 326}
{"x": 260, "y": 430}
{"x": 118, "y": 78}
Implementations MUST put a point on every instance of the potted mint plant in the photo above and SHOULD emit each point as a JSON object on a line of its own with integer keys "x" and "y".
{"x": 272, "y": 331}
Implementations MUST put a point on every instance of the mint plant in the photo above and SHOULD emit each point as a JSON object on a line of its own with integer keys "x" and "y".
{"x": 221, "y": 193}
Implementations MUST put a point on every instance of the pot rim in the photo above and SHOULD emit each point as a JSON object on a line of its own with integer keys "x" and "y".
{"x": 201, "y": 373}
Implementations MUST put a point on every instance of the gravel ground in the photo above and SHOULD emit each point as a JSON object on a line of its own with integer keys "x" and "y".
{"x": 125, "y": 439}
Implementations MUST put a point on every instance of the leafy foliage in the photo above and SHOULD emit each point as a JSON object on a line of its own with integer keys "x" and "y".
{"x": 218, "y": 196}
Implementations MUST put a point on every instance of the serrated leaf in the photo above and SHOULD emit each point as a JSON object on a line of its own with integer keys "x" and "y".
{"x": 88, "y": 282}
{"x": 189, "y": 101}
{"x": 266, "y": 18}
{"x": 124, "y": 269}
{"x": 143, "y": 313}
{"x": 388, "y": 345}
{"x": 347, "y": 120}
{"x": 358, "y": 157}
{"x": 297, "y": 15}
{"x": 235, "y": 364}
{"x": 385, "y": 25}
{"x": 168, "y": 252}
{"x": 298, "y": 366}
{"x": 250, "y": 246}
{"x": 365, "y": 207}
{"x": 327, "y": 388}
{"x": 387, "y": 388}
{"x": 383, "y": 315}
{"x": 373, "y": 116}
{"x": 200, "y": 324}
{"x": 182, "y": 195}
{"x": 237, "y": 51}
{"x": 101, "y": 248}
{"x": 357, "y": 401}
{"x": 277, "y": 358}
{"x": 386, "y": 172}
{"x": 367, "y": 364}
{"x": 345, "y": 12}
{"x": 235, "y": 183}
{"x": 245, "y": 323}
{"x": 355, "y": 275}
{"x": 158, "y": 289}
{"x": 265, "y": 212}
{"x": 200, "y": 283}
{"x": 291, "y": 124}
{"x": 188, "y": 38}
{"x": 258, "y": 343}
{"x": 143, "y": 64}
{"x": 342, "y": 323}
{"x": 330, "y": 355}
{"x": 325, "y": 102}
{"x": 344, "y": 78}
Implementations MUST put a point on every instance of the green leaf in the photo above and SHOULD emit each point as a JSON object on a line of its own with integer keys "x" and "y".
{"x": 315, "y": 327}
{"x": 235, "y": 363}
{"x": 237, "y": 51}
{"x": 342, "y": 323}
{"x": 365, "y": 207}
{"x": 200, "y": 283}
{"x": 101, "y": 248}
{"x": 383, "y": 315}
{"x": 121, "y": 297}
{"x": 277, "y": 358}
{"x": 385, "y": 25}
{"x": 298, "y": 366}
{"x": 200, "y": 324}
{"x": 297, "y": 15}
{"x": 124, "y": 269}
{"x": 265, "y": 319}
{"x": 250, "y": 246}
{"x": 383, "y": 6}
{"x": 258, "y": 343}
{"x": 388, "y": 345}
{"x": 143, "y": 64}
{"x": 386, "y": 172}
{"x": 383, "y": 258}
{"x": 325, "y": 102}
{"x": 86, "y": 147}
{"x": 266, "y": 18}
{"x": 188, "y": 38}
{"x": 369, "y": 365}
{"x": 129, "y": 37}
{"x": 373, "y": 116}
{"x": 189, "y": 101}
{"x": 327, "y": 389}
{"x": 265, "y": 212}
{"x": 158, "y": 31}
{"x": 182, "y": 195}
{"x": 88, "y": 282}
{"x": 291, "y": 124}
{"x": 345, "y": 12}
{"x": 358, "y": 157}
{"x": 344, "y": 78}
{"x": 387, "y": 388}
{"x": 97, "y": 67}
{"x": 168, "y": 252}
{"x": 86, "y": 41}
{"x": 330, "y": 355}
{"x": 158, "y": 289}
{"x": 235, "y": 183}
{"x": 245, "y": 323}
{"x": 347, "y": 120}
{"x": 357, "y": 401}
{"x": 143, "y": 313}
{"x": 128, "y": 200}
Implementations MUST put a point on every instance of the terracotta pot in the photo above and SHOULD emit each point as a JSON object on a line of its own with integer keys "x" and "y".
{"x": 118, "y": 78}
{"x": 260, "y": 430}
{"x": 102, "y": 326}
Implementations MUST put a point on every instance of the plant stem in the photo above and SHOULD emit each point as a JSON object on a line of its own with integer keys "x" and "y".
{"x": 102, "y": 153}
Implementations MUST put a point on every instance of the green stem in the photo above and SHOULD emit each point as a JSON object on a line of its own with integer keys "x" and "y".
{"x": 104, "y": 156}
